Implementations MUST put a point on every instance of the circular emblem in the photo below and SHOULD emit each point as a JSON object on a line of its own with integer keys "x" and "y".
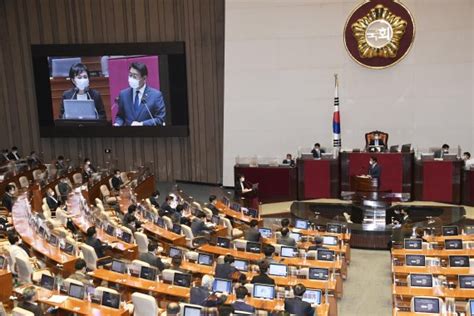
{"x": 379, "y": 34}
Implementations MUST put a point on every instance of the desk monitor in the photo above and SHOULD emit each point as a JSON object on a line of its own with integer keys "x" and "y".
{"x": 252, "y": 212}
{"x": 76, "y": 291}
{"x": 330, "y": 240}
{"x": 182, "y": 279}
{"x": 450, "y": 157}
{"x": 42, "y": 231}
{"x": 235, "y": 206}
{"x": 205, "y": 259}
{"x": 110, "y": 299}
{"x": 160, "y": 222}
{"x": 450, "y": 230}
{"x": 222, "y": 286}
{"x": 394, "y": 149}
{"x": 469, "y": 230}
{"x": 241, "y": 265}
{"x": 278, "y": 269}
{"x": 466, "y": 281}
{"x": 67, "y": 248}
{"x": 428, "y": 305}
{"x": 223, "y": 242}
{"x": 406, "y": 148}
{"x": 459, "y": 261}
{"x": 318, "y": 274}
{"x": 334, "y": 228}
{"x": 176, "y": 229}
{"x": 175, "y": 252}
{"x": 265, "y": 232}
{"x": 80, "y": 110}
{"x": 191, "y": 311}
{"x": 295, "y": 236}
{"x": 47, "y": 282}
{"x": 264, "y": 291}
{"x": 301, "y": 224}
{"x": 453, "y": 244}
{"x": 312, "y": 296}
{"x": 118, "y": 266}
{"x": 413, "y": 243}
{"x": 288, "y": 252}
{"x": 215, "y": 219}
{"x": 149, "y": 216}
{"x": 421, "y": 280}
{"x": 148, "y": 273}
{"x": 110, "y": 230}
{"x": 254, "y": 247}
{"x": 126, "y": 237}
{"x": 226, "y": 201}
{"x": 415, "y": 260}
{"x": 53, "y": 240}
{"x": 325, "y": 255}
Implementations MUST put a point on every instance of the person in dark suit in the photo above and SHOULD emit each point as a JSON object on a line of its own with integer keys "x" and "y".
{"x": 262, "y": 277}
{"x": 29, "y": 301}
{"x": 374, "y": 169}
{"x": 317, "y": 151}
{"x": 202, "y": 295}
{"x": 226, "y": 270}
{"x": 268, "y": 251}
{"x": 14, "y": 155}
{"x": 87, "y": 170}
{"x": 64, "y": 189}
{"x": 117, "y": 180}
{"x": 91, "y": 240}
{"x": 241, "y": 187}
{"x": 33, "y": 160}
{"x": 60, "y": 166}
{"x": 4, "y": 156}
{"x": 212, "y": 205}
{"x": 289, "y": 161}
{"x": 285, "y": 222}
{"x": 8, "y": 197}
{"x": 285, "y": 238}
{"x": 239, "y": 305}
{"x": 252, "y": 233}
{"x": 129, "y": 219}
{"x": 198, "y": 225}
{"x": 166, "y": 209}
{"x": 140, "y": 104}
{"x": 377, "y": 142}
{"x": 51, "y": 200}
{"x": 79, "y": 75}
{"x": 318, "y": 244}
{"x": 154, "y": 199}
{"x": 151, "y": 258}
{"x": 443, "y": 151}
{"x": 296, "y": 305}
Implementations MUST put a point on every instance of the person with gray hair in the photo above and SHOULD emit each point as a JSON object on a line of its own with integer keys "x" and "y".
{"x": 29, "y": 301}
{"x": 202, "y": 295}
{"x": 172, "y": 309}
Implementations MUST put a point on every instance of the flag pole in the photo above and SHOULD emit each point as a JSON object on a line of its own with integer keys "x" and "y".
{"x": 336, "y": 120}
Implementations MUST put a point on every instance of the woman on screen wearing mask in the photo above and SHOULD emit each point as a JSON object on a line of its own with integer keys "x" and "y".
{"x": 79, "y": 76}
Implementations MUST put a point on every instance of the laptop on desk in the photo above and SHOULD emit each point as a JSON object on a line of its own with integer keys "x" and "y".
{"x": 80, "y": 110}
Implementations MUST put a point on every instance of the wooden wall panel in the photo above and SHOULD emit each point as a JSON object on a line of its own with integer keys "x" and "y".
{"x": 200, "y": 23}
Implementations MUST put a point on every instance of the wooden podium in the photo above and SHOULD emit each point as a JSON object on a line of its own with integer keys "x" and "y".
{"x": 364, "y": 184}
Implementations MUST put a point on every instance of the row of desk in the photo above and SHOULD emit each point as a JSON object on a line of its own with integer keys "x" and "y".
{"x": 424, "y": 180}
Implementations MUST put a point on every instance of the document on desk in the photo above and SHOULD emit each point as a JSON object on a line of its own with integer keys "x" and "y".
{"x": 58, "y": 299}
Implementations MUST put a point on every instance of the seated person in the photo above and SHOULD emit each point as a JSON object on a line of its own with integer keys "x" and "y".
{"x": 172, "y": 309}
{"x": 443, "y": 151}
{"x": 318, "y": 244}
{"x": 91, "y": 240}
{"x": 79, "y": 75}
{"x": 296, "y": 305}
{"x": 29, "y": 301}
{"x": 166, "y": 209}
{"x": 51, "y": 200}
{"x": 8, "y": 197}
{"x": 212, "y": 205}
{"x": 289, "y": 161}
{"x": 377, "y": 143}
{"x": 317, "y": 151}
{"x": 285, "y": 222}
{"x": 17, "y": 248}
{"x": 33, "y": 160}
{"x": 129, "y": 217}
{"x": 80, "y": 273}
{"x": 252, "y": 233}
{"x": 268, "y": 251}
{"x": 64, "y": 189}
{"x": 226, "y": 270}
{"x": 202, "y": 295}
{"x": 239, "y": 305}
{"x": 178, "y": 214}
{"x": 117, "y": 180}
{"x": 285, "y": 238}
{"x": 262, "y": 277}
{"x": 176, "y": 264}
{"x": 151, "y": 258}
{"x": 60, "y": 165}
{"x": 154, "y": 199}
{"x": 198, "y": 225}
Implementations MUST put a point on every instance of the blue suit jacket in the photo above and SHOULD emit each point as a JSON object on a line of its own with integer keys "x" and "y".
{"x": 243, "y": 307}
{"x": 299, "y": 307}
{"x": 152, "y": 98}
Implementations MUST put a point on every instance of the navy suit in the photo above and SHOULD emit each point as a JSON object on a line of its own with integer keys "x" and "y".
{"x": 243, "y": 307}
{"x": 225, "y": 271}
{"x": 299, "y": 307}
{"x": 374, "y": 171}
{"x": 152, "y": 98}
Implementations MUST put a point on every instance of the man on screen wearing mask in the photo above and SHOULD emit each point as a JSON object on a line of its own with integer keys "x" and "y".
{"x": 140, "y": 105}
{"x": 79, "y": 76}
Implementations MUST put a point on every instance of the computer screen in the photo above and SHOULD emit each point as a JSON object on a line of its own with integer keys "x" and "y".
{"x": 288, "y": 252}
{"x": 459, "y": 261}
{"x": 192, "y": 311}
{"x": 235, "y": 206}
{"x": 312, "y": 296}
{"x": 334, "y": 228}
{"x": 47, "y": 282}
{"x": 176, "y": 229}
{"x": 67, "y": 248}
{"x": 253, "y": 212}
{"x": 215, "y": 219}
{"x": 222, "y": 286}
{"x": 264, "y": 291}
{"x": 325, "y": 255}
{"x": 119, "y": 266}
{"x": 426, "y": 305}
{"x": 453, "y": 244}
{"x": 223, "y": 242}
{"x": 53, "y": 240}
{"x": 278, "y": 269}
{"x": 421, "y": 280}
{"x": 126, "y": 237}
{"x": 205, "y": 259}
{"x": 160, "y": 222}
{"x": 413, "y": 243}
{"x": 175, "y": 252}
{"x": 330, "y": 240}
{"x": 318, "y": 274}
{"x": 466, "y": 281}
{"x": 148, "y": 273}
{"x": 265, "y": 232}
{"x": 110, "y": 299}
{"x": 301, "y": 224}
{"x": 76, "y": 291}
{"x": 241, "y": 265}
{"x": 295, "y": 236}
{"x": 415, "y": 260}
{"x": 182, "y": 279}
{"x": 450, "y": 230}
{"x": 254, "y": 247}
{"x": 225, "y": 201}
{"x": 110, "y": 230}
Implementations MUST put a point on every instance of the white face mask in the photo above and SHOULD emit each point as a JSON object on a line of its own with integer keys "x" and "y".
{"x": 82, "y": 83}
{"x": 134, "y": 83}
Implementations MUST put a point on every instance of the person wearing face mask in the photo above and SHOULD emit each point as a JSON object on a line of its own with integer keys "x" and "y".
{"x": 140, "y": 104}
{"x": 377, "y": 144}
{"x": 87, "y": 170}
{"x": 374, "y": 169}
{"x": 79, "y": 76}
{"x": 443, "y": 151}
{"x": 9, "y": 197}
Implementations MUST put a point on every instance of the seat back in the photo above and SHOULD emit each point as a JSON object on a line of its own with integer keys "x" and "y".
{"x": 208, "y": 212}
{"x": 77, "y": 178}
{"x": 69, "y": 281}
{"x": 37, "y": 174}
{"x": 104, "y": 190}
{"x": 46, "y": 211}
{"x": 145, "y": 305}
{"x": 24, "y": 183}
{"x": 371, "y": 135}
{"x": 61, "y": 216}
{"x": 228, "y": 225}
{"x": 139, "y": 263}
{"x": 110, "y": 183}
{"x": 124, "y": 177}
{"x": 24, "y": 269}
{"x": 168, "y": 222}
{"x": 89, "y": 256}
{"x": 142, "y": 242}
{"x": 187, "y": 231}
{"x": 17, "y": 311}
{"x": 168, "y": 275}
{"x": 240, "y": 244}
{"x": 101, "y": 289}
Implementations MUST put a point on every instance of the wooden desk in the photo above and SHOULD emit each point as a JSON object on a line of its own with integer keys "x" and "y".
{"x": 433, "y": 252}
{"x": 309, "y": 232}
{"x": 435, "y": 270}
{"x": 441, "y": 239}
{"x": 215, "y": 250}
{"x": 164, "y": 234}
{"x": 408, "y": 291}
{"x": 237, "y": 215}
{"x": 6, "y": 289}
